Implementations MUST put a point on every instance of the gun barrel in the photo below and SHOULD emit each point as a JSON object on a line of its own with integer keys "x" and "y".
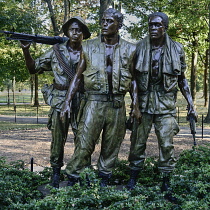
{"x": 194, "y": 140}
{"x": 193, "y": 128}
{"x": 34, "y": 38}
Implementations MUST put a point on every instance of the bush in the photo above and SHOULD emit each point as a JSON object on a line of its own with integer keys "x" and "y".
{"x": 17, "y": 185}
{"x": 190, "y": 183}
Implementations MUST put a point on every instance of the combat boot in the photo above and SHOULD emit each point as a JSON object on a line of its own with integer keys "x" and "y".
{"x": 72, "y": 180}
{"x": 104, "y": 179}
{"x": 165, "y": 188}
{"x": 132, "y": 181}
{"x": 56, "y": 177}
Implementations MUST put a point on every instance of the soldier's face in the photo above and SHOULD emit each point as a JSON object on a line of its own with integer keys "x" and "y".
{"x": 156, "y": 27}
{"x": 75, "y": 33}
{"x": 109, "y": 26}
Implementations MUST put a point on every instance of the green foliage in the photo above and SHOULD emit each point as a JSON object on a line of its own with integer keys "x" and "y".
{"x": 17, "y": 185}
{"x": 192, "y": 180}
{"x": 190, "y": 184}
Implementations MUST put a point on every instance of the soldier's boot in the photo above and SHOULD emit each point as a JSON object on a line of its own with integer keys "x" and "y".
{"x": 104, "y": 179}
{"x": 165, "y": 188}
{"x": 132, "y": 181}
{"x": 72, "y": 180}
{"x": 56, "y": 177}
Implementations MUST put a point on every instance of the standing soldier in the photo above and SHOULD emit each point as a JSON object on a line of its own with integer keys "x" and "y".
{"x": 160, "y": 67}
{"x": 106, "y": 64}
{"x": 62, "y": 60}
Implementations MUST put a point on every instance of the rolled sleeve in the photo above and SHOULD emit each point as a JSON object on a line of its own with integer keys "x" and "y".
{"x": 43, "y": 63}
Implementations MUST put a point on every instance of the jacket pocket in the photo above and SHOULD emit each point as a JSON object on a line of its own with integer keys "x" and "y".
{"x": 167, "y": 101}
{"x": 143, "y": 100}
{"x": 125, "y": 80}
{"x": 142, "y": 80}
{"x": 170, "y": 82}
{"x": 91, "y": 79}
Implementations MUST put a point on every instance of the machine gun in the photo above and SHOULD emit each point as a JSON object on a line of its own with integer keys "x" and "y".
{"x": 34, "y": 38}
{"x": 192, "y": 121}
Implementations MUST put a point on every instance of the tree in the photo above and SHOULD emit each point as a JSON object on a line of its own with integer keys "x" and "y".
{"x": 18, "y": 16}
{"x": 207, "y": 119}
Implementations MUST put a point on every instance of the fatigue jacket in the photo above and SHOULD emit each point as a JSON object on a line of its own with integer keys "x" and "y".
{"x": 95, "y": 77}
{"x": 49, "y": 62}
{"x": 159, "y": 98}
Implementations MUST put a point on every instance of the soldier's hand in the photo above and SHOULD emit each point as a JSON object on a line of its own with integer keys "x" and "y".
{"x": 25, "y": 45}
{"x": 135, "y": 113}
{"x": 66, "y": 109}
{"x": 193, "y": 113}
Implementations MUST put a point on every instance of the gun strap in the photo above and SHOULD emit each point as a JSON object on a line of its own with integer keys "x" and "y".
{"x": 62, "y": 61}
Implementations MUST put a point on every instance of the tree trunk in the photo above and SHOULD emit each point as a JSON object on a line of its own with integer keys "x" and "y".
{"x": 13, "y": 88}
{"x": 52, "y": 17}
{"x": 205, "y": 80}
{"x": 8, "y": 96}
{"x": 104, "y": 4}
{"x": 194, "y": 75}
{"x": 66, "y": 10}
{"x": 207, "y": 119}
{"x": 32, "y": 88}
{"x": 36, "y": 98}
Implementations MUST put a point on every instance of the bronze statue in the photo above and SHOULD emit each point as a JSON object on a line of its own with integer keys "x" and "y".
{"x": 106, "y": 64}
{"x": 62, "y": 60}
{"x": 159, "y": 69}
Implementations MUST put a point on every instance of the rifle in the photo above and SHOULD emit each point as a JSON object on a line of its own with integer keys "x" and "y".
{"x": 34, "y": 38}
{"x": 191, "y": 119}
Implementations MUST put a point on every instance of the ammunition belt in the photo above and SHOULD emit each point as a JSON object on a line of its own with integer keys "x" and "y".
{"x": 60, "y": 87}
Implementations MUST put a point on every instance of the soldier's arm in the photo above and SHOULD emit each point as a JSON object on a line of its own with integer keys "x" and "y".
{"x": 74, "y": 85}
{"x": 134, "y": 94}
{"x": 185, "y": 90}
{"x": 30, "y": 63}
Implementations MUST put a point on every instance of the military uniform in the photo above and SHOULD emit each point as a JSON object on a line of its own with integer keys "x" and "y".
{"x": 55, "y": 97}
{"x": 103, "y": 111}
{"x": 157, "y": 72}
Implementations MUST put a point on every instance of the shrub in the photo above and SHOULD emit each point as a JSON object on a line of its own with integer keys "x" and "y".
{"x": 190, "y": 182}
{"x": 17, "y": 185}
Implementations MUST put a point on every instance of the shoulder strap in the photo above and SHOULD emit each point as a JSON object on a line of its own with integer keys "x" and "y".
{"x": 62, "y": 62}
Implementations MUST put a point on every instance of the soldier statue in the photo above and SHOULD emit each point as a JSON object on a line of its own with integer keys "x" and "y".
{"x": 69, "y": 53}
{"x": 106, "y": 63}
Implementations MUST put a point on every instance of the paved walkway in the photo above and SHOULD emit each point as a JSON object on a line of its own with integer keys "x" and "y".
{"x": 184, "y": 131}
{"x": 23, "y": 119}
{"x": 43, "y": 120}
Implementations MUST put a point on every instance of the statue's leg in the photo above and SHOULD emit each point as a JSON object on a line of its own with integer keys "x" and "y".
{"x": 89, "y": 129}
{"x": 59, "y": 132}
{"x": 112, "y": 137}
{"x": 166, "y": 127}
{"x": 139, "y": 138}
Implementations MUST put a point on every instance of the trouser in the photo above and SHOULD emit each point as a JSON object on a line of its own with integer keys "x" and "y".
{"x": 165, "y": 128}
{"x": 98, "y": 117}
{"x": 59, "y": 130}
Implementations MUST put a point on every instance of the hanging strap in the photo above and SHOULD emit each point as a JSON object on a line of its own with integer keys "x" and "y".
{"x": 62, "y": 61}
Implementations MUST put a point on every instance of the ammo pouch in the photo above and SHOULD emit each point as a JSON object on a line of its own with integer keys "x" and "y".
{"x": 47, "y": 93}
{"x": 118, "y": 101}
